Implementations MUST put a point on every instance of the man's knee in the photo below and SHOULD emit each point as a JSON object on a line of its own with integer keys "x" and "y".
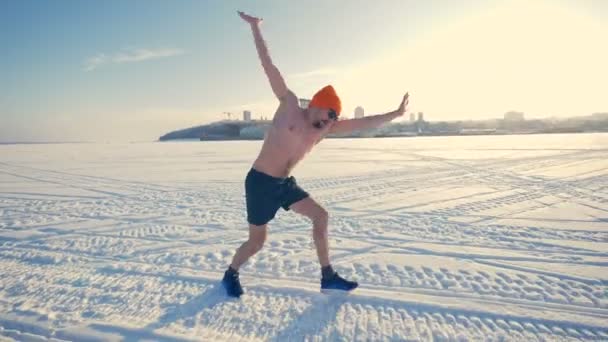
{"x": 257, "y": 239}
{"x": 321, "y": 216}
{"x": 258, "y": 244}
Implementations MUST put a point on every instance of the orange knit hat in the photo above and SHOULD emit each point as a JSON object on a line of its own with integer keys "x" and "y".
{"x": 327, "y": 98}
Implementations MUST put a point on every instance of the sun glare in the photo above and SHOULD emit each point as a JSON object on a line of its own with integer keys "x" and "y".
{"x": 539, "y": 57}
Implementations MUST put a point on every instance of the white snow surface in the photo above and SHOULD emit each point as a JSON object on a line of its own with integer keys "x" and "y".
{"x": 451, "y": 239}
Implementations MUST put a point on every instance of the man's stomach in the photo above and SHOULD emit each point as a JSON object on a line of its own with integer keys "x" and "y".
{"x": 272, "y": 168}
{"x": 279, "y": 156}
{"x": 276, "y": 164}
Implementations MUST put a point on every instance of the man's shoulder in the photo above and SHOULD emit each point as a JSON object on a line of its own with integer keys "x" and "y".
{"x": 290, "y": 98}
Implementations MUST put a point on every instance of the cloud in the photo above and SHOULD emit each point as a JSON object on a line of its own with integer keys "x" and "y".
{"x": 129, "y": 56}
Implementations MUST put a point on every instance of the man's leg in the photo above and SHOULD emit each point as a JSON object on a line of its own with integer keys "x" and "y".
{"x": 319, "y": 216}
{"x": 330, "y": 280}
{"x": 231, "y": 282}
{"x": 257, "y": 237}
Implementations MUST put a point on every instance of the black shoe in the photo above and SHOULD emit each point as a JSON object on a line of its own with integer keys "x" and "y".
{"x": 336, "y": 282}
{"x": 232, "y": 284}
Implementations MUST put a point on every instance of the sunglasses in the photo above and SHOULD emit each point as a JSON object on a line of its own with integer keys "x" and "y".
{"x": 332, "y": 115}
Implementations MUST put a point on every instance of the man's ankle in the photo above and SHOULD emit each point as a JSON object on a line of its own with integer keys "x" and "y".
{"x": 231, "y": 270}
{"x": 327, "y": 272}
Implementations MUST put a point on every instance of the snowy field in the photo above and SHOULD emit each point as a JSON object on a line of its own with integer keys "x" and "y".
{"x": 451, "y": 239}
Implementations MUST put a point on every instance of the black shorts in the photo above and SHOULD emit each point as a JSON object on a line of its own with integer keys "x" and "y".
{"x": 266, "y": 194}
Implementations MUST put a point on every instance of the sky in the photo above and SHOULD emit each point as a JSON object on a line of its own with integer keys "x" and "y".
{"x": 132, "y": 70}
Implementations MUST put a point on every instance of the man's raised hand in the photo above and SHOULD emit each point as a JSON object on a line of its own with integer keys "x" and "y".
{"x": 403, "y": 106}
{"x": 250, "y": 19}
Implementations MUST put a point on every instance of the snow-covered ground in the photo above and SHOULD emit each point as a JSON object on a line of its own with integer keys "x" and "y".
{"x": 451, "y": 238}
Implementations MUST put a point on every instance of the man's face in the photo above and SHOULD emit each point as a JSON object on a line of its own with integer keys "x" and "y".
{"x": 323, "y": 117}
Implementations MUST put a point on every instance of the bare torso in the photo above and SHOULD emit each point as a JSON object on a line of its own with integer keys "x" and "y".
{"x": 288, "y": 140}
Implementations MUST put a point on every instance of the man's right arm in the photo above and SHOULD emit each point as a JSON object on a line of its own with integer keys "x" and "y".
{"x": 277, "y": 83}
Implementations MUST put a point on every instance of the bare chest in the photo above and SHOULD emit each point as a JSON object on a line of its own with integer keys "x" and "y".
{"x": 299, "y": 134}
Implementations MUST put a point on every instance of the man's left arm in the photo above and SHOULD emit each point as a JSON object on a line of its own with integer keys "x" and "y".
{"x": 344, "y": 126}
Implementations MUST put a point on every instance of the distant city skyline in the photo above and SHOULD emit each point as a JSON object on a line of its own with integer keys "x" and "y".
{"x": 119, "y": 71}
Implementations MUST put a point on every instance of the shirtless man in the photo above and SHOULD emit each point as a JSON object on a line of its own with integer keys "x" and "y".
{"x": 268, "y": 186}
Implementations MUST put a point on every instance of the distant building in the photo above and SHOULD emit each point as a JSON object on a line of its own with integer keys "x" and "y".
{"x": 514, "y": 116}
{"x": 359, "y": 112}
{"x": 412, "y": 117}
{"x": 246, "y": 115}
{"x": 599, "y": 116}
{"x": 420, "y": 117}
{"x": 304, "y": 103}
